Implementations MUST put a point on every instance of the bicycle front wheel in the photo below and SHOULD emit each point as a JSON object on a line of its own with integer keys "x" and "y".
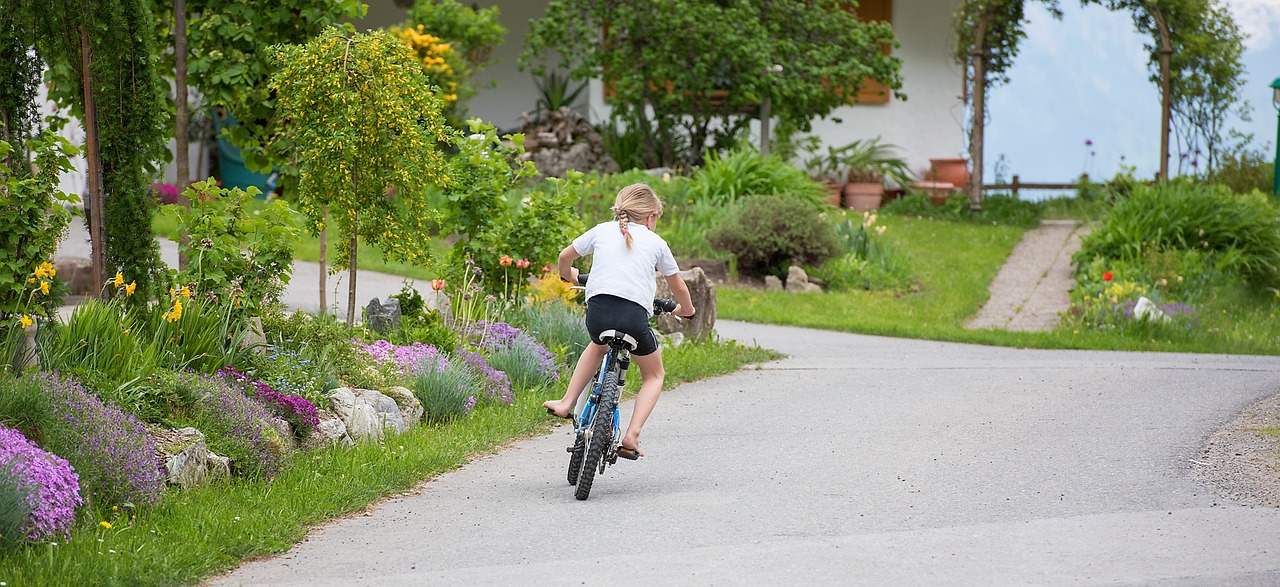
{"x": 601, "y": 434}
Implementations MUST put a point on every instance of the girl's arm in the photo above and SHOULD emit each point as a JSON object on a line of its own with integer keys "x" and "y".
{"x": 565, "y": 265}
{"x": 685, "y": 308}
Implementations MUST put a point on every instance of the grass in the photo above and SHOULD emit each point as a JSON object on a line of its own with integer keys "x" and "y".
{"x": 307, "y": 248}
{"x": 953, "y": 264}
{"x": 192, "y": 535}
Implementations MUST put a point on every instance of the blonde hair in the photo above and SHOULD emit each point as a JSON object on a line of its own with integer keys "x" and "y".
{"x": 635, "y": 203}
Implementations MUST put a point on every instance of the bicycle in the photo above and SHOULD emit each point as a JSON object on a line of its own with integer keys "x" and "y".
{"x": 597, "y": 442}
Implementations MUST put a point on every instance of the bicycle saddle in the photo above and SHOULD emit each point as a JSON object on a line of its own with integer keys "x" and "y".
{"x": 608, "y": 336}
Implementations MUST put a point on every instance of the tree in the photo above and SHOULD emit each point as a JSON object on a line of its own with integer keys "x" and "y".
{"x": 687, "y": 75}
{"x": 471, "y": 33}
{"x": 18, "y": 78}
{"x": 364, "y": 125}
{"x": 988, "y": 35}
{"x": 230, "y": 43}
{"x": 103, "y": 64}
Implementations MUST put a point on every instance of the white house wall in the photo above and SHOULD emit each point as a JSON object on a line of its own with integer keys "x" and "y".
{"x": 930, "y": 123}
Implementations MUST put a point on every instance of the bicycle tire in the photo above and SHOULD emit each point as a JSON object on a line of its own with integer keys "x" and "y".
{"x": 601, "y": 433}
{"x": 575, "y": 459}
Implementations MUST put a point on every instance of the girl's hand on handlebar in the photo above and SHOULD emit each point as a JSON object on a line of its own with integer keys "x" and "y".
{"x": 679, "y": 311}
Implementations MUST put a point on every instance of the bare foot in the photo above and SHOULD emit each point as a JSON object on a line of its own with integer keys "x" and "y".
{"x": 555, "y": 407}
{"x": 630, "y": 442}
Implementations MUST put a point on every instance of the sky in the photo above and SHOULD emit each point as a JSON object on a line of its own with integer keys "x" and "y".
{"x": 1084, "y": 78}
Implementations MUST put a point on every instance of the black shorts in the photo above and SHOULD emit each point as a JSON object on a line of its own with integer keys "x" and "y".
{"x": 606, "y": 312}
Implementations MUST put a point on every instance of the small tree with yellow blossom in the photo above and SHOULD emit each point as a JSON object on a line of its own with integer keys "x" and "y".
{"x": 363, "y": 123}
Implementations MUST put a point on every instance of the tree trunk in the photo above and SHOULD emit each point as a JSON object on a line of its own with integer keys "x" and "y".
{"x": 181, "y": 117}
{"x": 1166, "y": 98}
{"x": 93, "y": 157}
{"x": 324, "y": 214}
{"x": 351, "y": 285}
{"x": 976, "y": 130}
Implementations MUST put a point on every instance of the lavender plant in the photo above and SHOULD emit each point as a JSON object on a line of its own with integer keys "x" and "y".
{"x": 526, "y": 362}
{"x": 497, "y": 386}
{"x": 239, "y": 427}
{"x": 108, "y": 447}
{"x": 49, "y": 485}
{"x": 296, "y": 410}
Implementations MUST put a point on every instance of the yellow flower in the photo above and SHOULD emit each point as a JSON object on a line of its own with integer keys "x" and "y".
{"x": 175, "y": 313}
{"x": 25, "y": 321}
{"x": 44, "y": 287}
{"x": 128, "y": 289}
{"x": 119, "y": 281}
{"x": 186, "y": 292}
{"x": 33, "y": 280}
{"x": 105, "y": 524}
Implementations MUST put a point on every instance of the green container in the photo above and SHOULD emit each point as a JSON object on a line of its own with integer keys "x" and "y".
{"x": 231, "y": 163}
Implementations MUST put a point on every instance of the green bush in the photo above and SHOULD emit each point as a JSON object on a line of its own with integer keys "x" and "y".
{"x": 996, "y": 209}
{"x": 726, "y": 179}
{"x": 1239, "y": 234}
{"x": 25, "y": 407}
{"x": 325, "y": 344}
{"x": 867, "y": 262}
{"x": 769, "y": 233}
{"x": 1243, "y": 170}
{"x": 447, "y": 393}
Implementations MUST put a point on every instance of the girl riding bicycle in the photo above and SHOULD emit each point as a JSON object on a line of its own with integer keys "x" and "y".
{"x": 620, "y": 294}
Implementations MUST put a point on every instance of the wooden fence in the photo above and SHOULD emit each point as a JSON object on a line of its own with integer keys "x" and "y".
{"x": 1017, "y": 184}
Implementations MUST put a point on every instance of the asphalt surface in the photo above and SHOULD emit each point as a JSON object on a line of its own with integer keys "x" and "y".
{"x": 856, "y": 460}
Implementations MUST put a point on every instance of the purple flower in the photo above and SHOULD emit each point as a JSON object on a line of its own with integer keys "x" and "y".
{"x": 53, "y": 487}
{"x": 110, "y": 449}
{"x": 295, "y": 409}
{"x": 239, "y": 427}
{"x": 497, "y": 384}
{"x": 410, "y": 359}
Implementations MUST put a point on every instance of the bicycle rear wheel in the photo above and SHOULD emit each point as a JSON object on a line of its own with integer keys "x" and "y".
{"x": 576, "y": 455}
{"x": 601, "y": 433}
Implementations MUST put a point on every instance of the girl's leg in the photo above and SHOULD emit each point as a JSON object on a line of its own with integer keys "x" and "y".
{"x": 586, "y": 367}
{"x": 651, "y": 376}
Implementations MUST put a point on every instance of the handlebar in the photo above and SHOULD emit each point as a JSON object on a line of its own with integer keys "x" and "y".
{"x": 660, "y": 305}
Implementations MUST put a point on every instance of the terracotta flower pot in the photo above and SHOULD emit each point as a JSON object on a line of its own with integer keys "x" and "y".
{"x": 863, "y": 196}
{"x": 953, "y": 171}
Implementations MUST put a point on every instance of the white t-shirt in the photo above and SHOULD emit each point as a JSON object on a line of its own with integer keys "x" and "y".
{"x": 627, "y": 274}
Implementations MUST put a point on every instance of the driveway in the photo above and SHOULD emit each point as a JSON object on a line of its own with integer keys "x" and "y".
{"x": 857, "y": 460}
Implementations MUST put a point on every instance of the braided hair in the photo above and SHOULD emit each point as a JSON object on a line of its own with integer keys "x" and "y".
{"x": 635, "y": 202}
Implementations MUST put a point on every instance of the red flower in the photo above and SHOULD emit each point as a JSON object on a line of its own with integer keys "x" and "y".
{"x": 1106, "y": 276}
{"x": 522, "y": 263}
{"x": 437, "y": 284}
{"x": 546, "y": 269}
{"x": 505, "y": 260}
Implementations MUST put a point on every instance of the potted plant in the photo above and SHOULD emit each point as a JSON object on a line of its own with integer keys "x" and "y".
{"x": 824, "y": 168}
{"x": 866, "y": 165}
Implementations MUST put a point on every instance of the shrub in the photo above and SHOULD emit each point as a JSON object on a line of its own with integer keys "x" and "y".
{"x": 325, "y": 343}
{"x": 238, "y": 426}
{"x": 25, "y": 407}
{"x": 527, "y": 363}
{"x": 996, "y": 209}
{"x": 299, "y": 412}
{"x": 497, "y": 385}
{"x": 39, "y": 492}
{"x": 108, "y": 447}
{"x": 1239, "y": 233}
{"x": 771, "y": 232}
{"x": 558, "y": 325}
{"x": 726, "y": 179}
{"x": 447, "y": 391}
{"x": 1243, "y": 170}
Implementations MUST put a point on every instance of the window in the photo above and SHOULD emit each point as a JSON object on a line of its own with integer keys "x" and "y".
{"x": 874, "y": 92}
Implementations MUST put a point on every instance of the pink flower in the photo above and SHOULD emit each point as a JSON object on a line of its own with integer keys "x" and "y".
{"x": 505, "y": 260}
{"x": 522, "y": 264}
{"x": 437, "y": 284}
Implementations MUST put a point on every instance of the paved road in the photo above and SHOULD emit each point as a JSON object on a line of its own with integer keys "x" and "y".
{"x": 857, "y": 460}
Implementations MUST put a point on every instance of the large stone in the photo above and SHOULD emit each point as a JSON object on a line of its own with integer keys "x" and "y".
{"x": 772, "y": 283}
{"x": 798, "y": 281}
{"x": 411, "y": 409}
{"x": 368, "y": 414}
{"x": 564, "y": 141}
{"x": 77, "y": 273}
{"x": 330, "y": 431}
{"x": 703, "y": 294}
{"x": 383, "y": 317}
{"x": 187, "y": 460}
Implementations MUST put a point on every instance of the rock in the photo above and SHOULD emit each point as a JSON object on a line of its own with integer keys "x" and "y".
{"x": 77, "y": 273}
{"x": 411, "y": 409}
{"x": 368, "y": 414}
{"x": 673, "y": 339}
{"x": 330, "y": 431}
{"x": 564, "y": 141}
{"x": 703, "y": 294}
{"x": 253, "y": 335}
{"x": 798, "y": 281}
{"x": 772, "y": 283}
{"x": 187, "y": 460}
{"x": 714, "y": 268}
{"x": 383, "y": 317}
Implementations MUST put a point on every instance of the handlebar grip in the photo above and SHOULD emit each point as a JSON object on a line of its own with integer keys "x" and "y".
{"x": 663, "y": 306}
{"x": 582, "y": 278}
